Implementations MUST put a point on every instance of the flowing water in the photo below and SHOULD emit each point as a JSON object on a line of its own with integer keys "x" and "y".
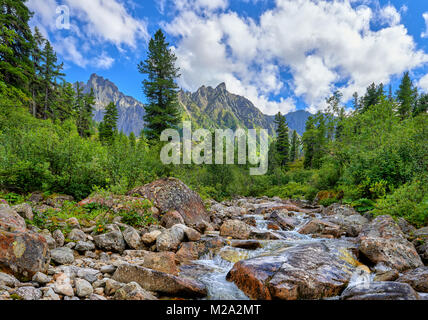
{"x": 212, "y": 269}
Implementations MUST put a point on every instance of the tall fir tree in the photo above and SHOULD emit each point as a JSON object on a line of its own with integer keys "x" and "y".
{"x": 407, "y": 96}
{"x": 372, "y": 97}
{"x": 282, "y": 140}
{"x": 422, "y": 105}
{"x": 16, "y": 42}
{"x": 50, "y": 72}
{"x": 109, "y": 125}
{"x": 160, "y": 88}
{"x": 294, "y": 149}
{"x": 309, "y": 142}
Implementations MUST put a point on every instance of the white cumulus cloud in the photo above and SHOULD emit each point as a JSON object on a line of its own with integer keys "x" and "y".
{"x": 425, "y": 33}
{"x": 93, "y": 24}
{"x": 322, "y": 45}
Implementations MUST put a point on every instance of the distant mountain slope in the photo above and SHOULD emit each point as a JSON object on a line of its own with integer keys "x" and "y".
{"x": 131, "y": 111}
{"x": 207, "y": 108}
{"x": 217, "y": 108}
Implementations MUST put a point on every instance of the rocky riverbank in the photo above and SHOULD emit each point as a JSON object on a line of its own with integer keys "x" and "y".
{"x": 245, "y": 248}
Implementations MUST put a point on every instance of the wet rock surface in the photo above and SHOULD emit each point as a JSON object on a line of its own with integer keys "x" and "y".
{"x": 258, "y": 248}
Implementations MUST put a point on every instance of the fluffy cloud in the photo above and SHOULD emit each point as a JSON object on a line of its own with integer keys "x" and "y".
{"x": 323, "y": 45}
{"x": 425, "y": 34}
{"x": 93, "y": 24}
{"x": 423, "y": 83}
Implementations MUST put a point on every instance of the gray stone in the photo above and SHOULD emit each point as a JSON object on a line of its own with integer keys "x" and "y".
{"x": 132, "y": 238}
{"x": 41, "y": 278}
{"x": 8, "y": 280}
{"x": 90, "y": 275}
{"x": 380, "y": 291}
{"x": 417, "y": 278}
{"x": 29, "y": 293}
{"x": 112, "y": 241}
{"x": 58, "y": 237}
{"x": 133, "y": 291}
{"x": 83, "y": 288}
{"x": 76, "y": 235}
{"x": 51, "y": 295}
{"x": 62, "y": 255}
{"x": 108, "y": 269}
{"x": 170, "y": 239}
{"x": 83, "y": 246}
{"x": 152, "y": 280}
{"x": 24, "y": 210}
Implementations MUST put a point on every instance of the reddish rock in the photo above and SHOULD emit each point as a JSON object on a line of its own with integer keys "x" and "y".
{"x": 172, "y": 194}
{"x": 319, "y": 227}
{"x": 236, "y": 229}
{"x": 22, "y": 252}
{"x": 188, "y": 251}
{"x": 171, "y": 218}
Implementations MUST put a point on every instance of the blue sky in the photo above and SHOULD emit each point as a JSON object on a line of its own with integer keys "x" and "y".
{"x": 281, "y": 54}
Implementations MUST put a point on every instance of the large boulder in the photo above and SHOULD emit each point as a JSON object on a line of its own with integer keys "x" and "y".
{"x": 382, "y": 241}
{"x": 350, "y": 224}
{"x": 417, "y": 278}
{"x": 307, "y": 271}
{"x": 160, "y": 282}
{"x": 171, "y": 194}
{"x": 236, "y": 229}
{"x": 380, "y": 291}
{"x": 22, "y": 252}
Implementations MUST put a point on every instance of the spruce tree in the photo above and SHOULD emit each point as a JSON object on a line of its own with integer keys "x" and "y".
{"x": 132, "y": 140}
{"x": 421, "y": 105}
{"x": 406, "y": 96}
{"x": 282, "y": 141}
{"x": 372, "y": 97}
{"x": 294, "y": 147}
{"x": 16, "y": 42}
{"x": 50, "y": 72}
{"x": 160, "y": 89}
{"x": 309, "y": 142}
{"x": 109, "y": 124}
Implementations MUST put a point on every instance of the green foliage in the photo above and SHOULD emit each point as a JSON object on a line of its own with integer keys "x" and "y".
{"x": 138, "y": 214}
{"x": 12, "y": 198}
{"x": 282, "y": 143}
{"x": 160, "y": 89}
{"x": 407, "y": 96}
{"x": 409, "y": 201}
{"x": 108, "y": 127}
{"x": 363, "y": 205}
{"x": 293, "y": 190}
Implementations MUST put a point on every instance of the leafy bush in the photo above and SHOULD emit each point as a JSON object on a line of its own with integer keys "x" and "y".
{"x": 410, "y": 202}
{"x": 363, "y": 205}
{"x": 293, "y": 190}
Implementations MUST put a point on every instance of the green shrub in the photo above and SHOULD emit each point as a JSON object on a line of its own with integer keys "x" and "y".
{"x": 363, "y": 205}
{"x": 410, "y": 202}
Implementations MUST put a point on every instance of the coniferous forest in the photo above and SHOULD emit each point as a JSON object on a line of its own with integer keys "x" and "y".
{"x": 371, "y": 156}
